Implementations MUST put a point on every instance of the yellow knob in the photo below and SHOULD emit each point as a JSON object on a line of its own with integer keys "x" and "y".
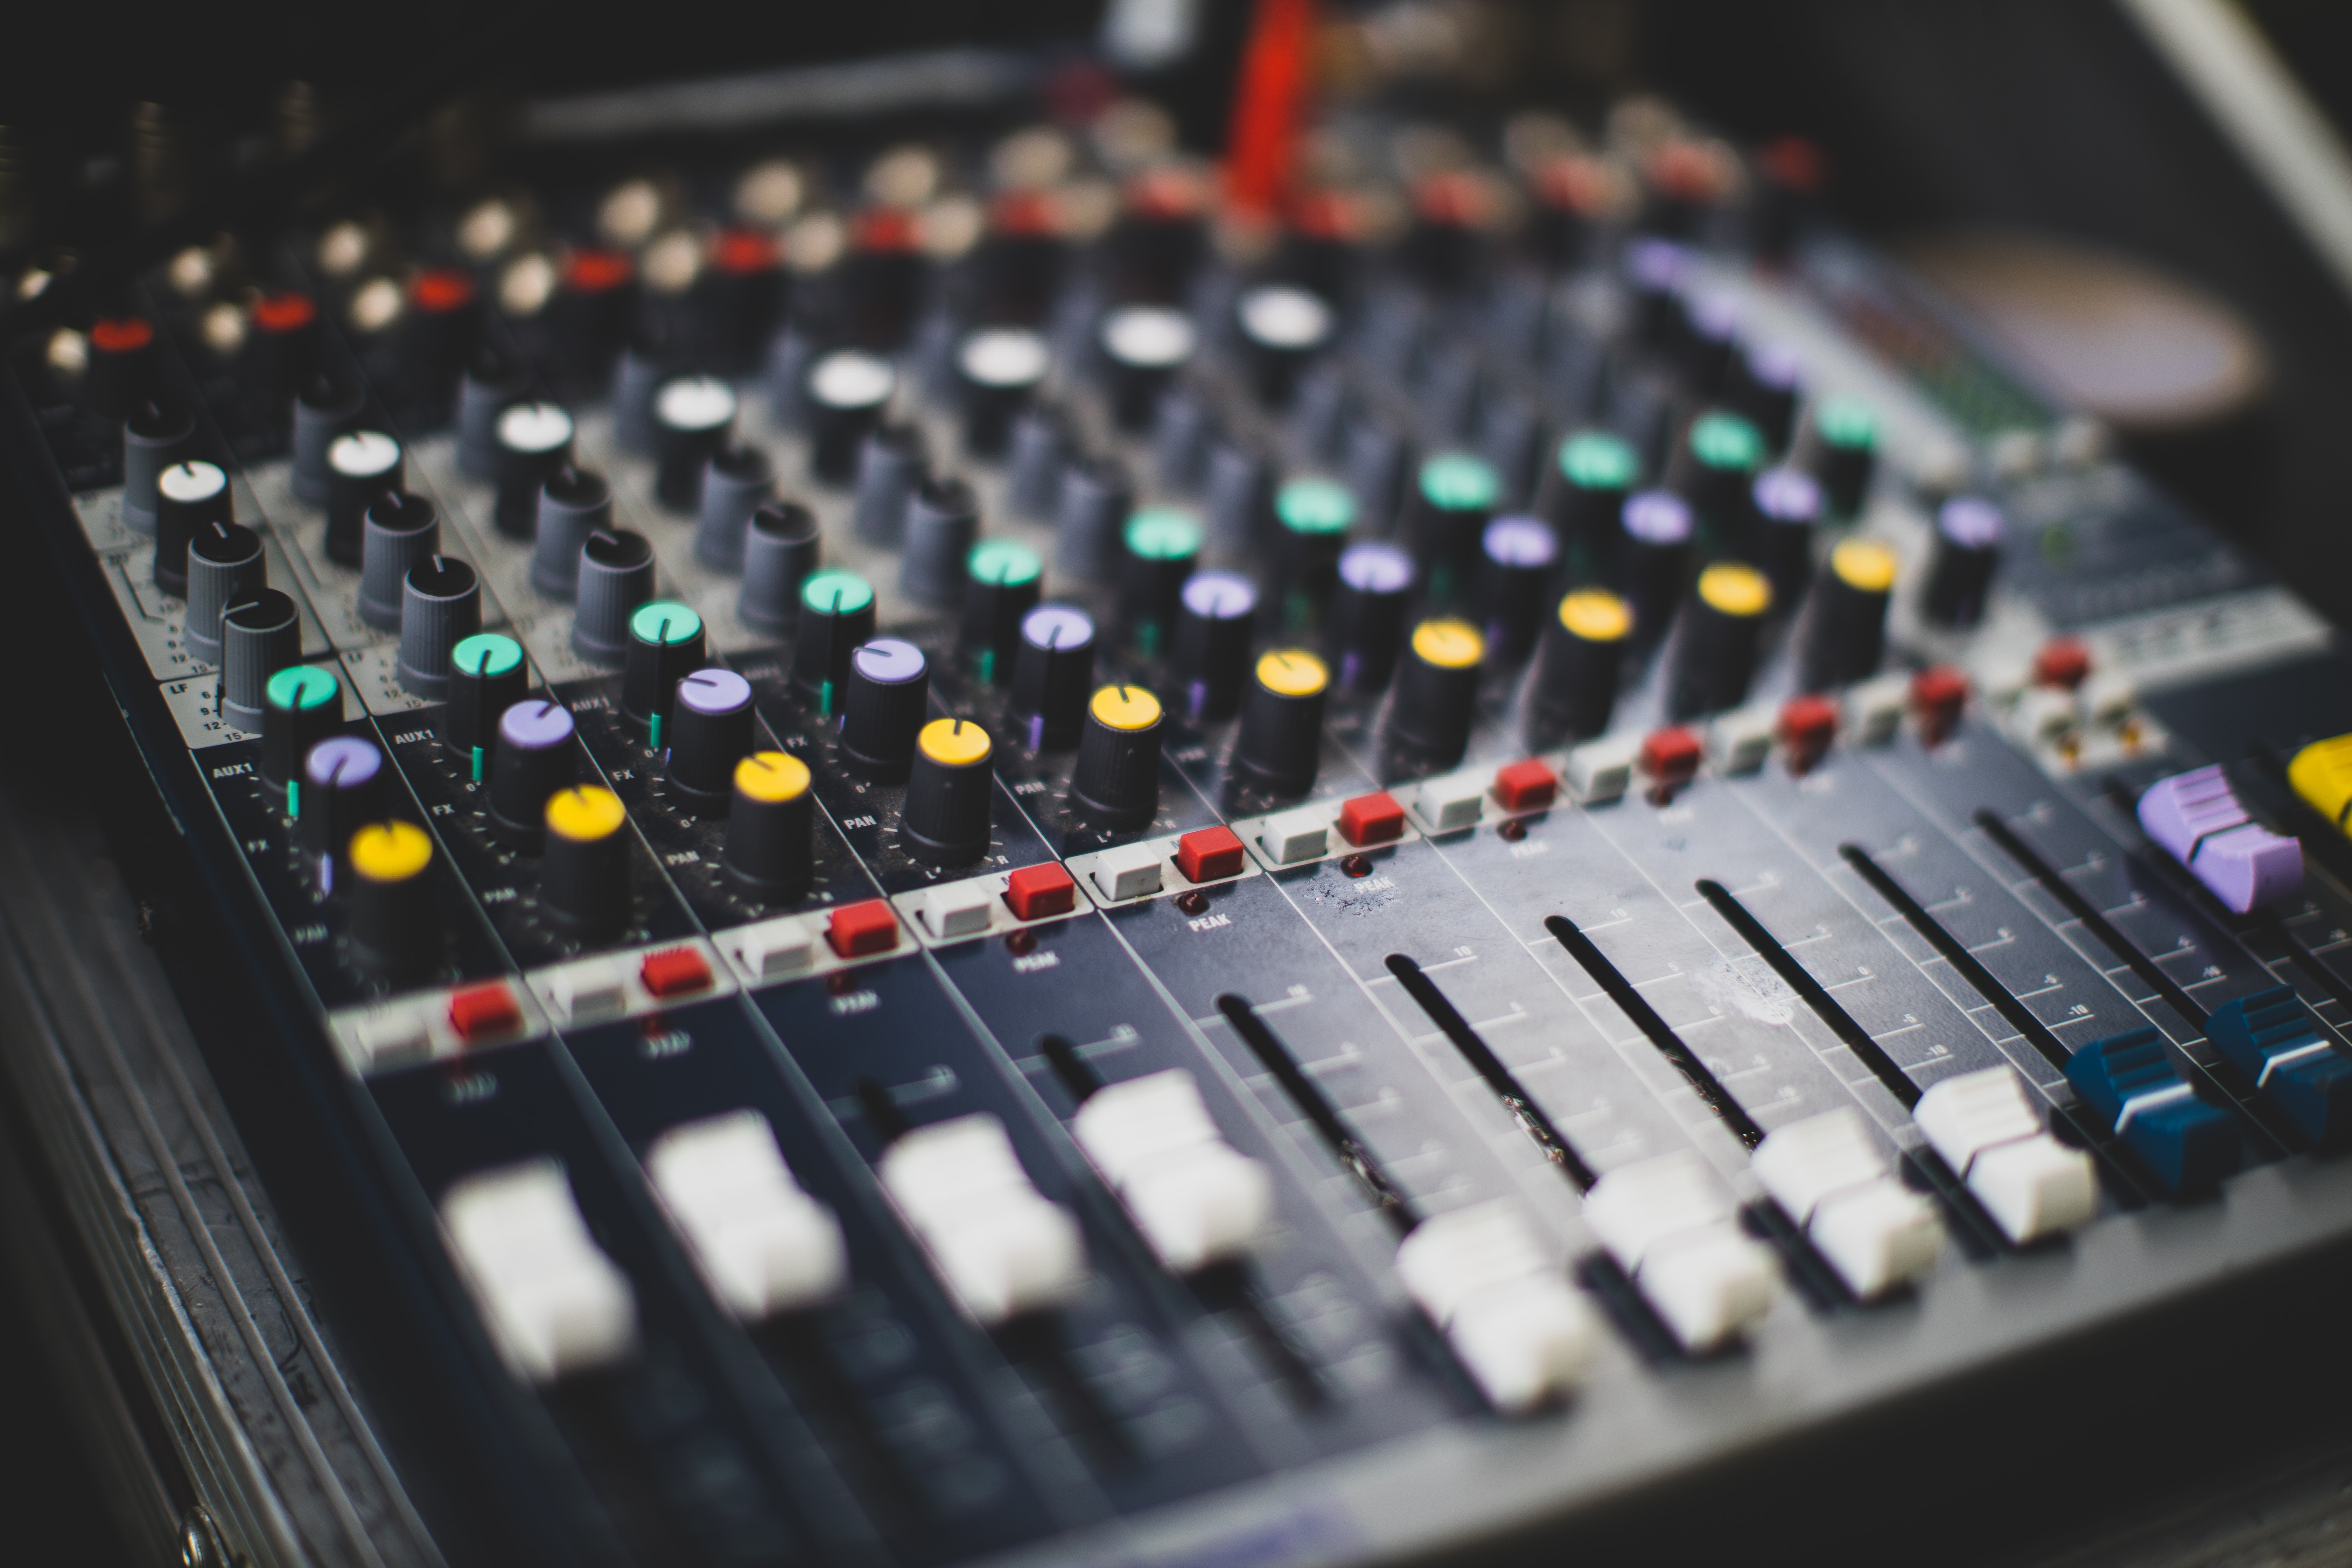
{"x": 2322, "y": 775}
{"x": 1126, "y": 708}
{"x": 1735, "y": 590}
{"x": 586, "y": 814}
{"x": 772, "y": 777}
{"x": 1449, "y": 644}
{"x": 955, "y": 743}
{"x": 1596, "y": 615}
{"x": 1864, "y": 564}
{"x": 390, "y": 851}
{"x": 1292, "y": 672}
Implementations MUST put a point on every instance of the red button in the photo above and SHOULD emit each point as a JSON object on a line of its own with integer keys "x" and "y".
{"x": 1937, "y": 695}
{"x": 1035, "y": 891}
{"x": 1808, "y": 725}
{"x": 1209, "y": 855}
{"x": 441, "y": 289}
{"x": 675, "y": 971}
{"x": 284, "y": 312}
{"x": 2062, "y": 661}
{"x": 1669, "y": 756}
{"x": 869, "y": 927}
{"x": 479, "y": 1012}
{"x": 1371, "y": 820}
{"x": 743, "y": 251}
{"x": 596, "y": 271}
{"x": 1524, "y": 786}
{"x": 121, "y": 335}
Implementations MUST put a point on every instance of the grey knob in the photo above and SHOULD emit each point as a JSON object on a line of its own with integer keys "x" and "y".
{"x": 483, "y": 394}
{"x": 260, "y": 635}
{"x": 739, "y": 481}
{"x": 360, "y": 467}
{"x": 1240, "y": 494}
{"x": 780, "y": 549}
{"x": 1041, "y": 449}
{"x": 533, "y": 441}
{"x": 635, "y": 381}
{"x": 1097, "y": 496}
{"x": 322, "y": 413}
{"x": 187, "y": 497}
{"x": 225, "y": 563}
{"x": 616, "y": 575}
{"x": 441, "y": 606}
{"x": 1182, "y": 427}
{"x": 942, "y": 521}
{"x": 892, "y": 462}
{"x": 154, "y": 439}
{"x": 572, "y": 504}
{"x": 400, "y": 531}
{"x": 790, "y": 358}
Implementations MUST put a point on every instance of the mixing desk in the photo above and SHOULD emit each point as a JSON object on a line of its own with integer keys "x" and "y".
{"x": 988, "y": 856}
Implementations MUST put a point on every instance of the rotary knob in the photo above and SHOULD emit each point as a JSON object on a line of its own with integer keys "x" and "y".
{"x": 779, "y": 550}
{"x": 1313, "y": 518}
{"x": 491, "y": 385}
{"x": 302, "y": 705}
{"x": 583, "y": 873}
{"x": 616, "y": 575}
{"x": 1002, "y": 581}
{"x": 188, "y": 497}
{"x": 360, "y": 467}
{"x": 1216, "y": 612}
{"x": 836, "y": 617}
{"x": 888, "y": 691}
{"x": 261, "y": 634}
{"x": 344, "y": 783}
{"x": 1116, "y": 784}
{"x": 1096, "y": 497}
{"x": 693, "y": 416}
{"x": 1238, "y": 493}
{"x": 153, "y": 439}
{"x": 395, "y": 928}
{"x": 1282, "y": 328}
{"x": 1042, "y": 444}
{"x": 441, "y": 606}
{"x": 1713, "y": 468}
{"x": 1163, "y": 546}
{"x": 1518, "y": 558}
{"x": 1182, "y": 427}
{"x": 1714, "y": 656}
{"x": 1784, "y": 508}
{"x": 1765, "y": 380}
{"x": 738, "y": 482}
{"x": 1653, "y": 548}
{"x": 1142, "y": 347}
{"x": 1584, "y": 492}
{"x": 666, "y": 645}
{"x": 400, "y": 531}
{"x": 1583, "y": 651}
{"x": 1053, "y": 671}
{"x": 487, "y": 676}
{"x": 1367, "y": 620}
{"x": 998, "y": 371}
{"x": 226, "y": 563}
{"x": 323, "y": 412}
{"x": 766, "y": 855}
{"x": 847, "y": 391}
{"x": 1845, "y": 629}
{"x": 1436, "y": 693}
{"x": 531, "y": 444}
{"x": 1451, "y": 506}
{"x": 533, "y": 759}
{"x": 942, "y": 520}
{"x": 1968, "y": 532}
{"x": 1839, "y": 448}
{"x": 892, "y": 462}
{"x": 572, "y": 504}
{"x": 950, "y": 795}
{"x": 1281, "y": 741}
{"x": 124, "y": 363}
{"x": 709, "y": 731}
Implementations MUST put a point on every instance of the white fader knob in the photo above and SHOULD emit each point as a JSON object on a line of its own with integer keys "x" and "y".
{"x": 1827, "y": 1176}
{"x": 762, "y": 1244}
{"x": 2030, "y": 1183}
{"x": 1196, "y": 1199}
{"x": 995, "y": 1242}
{"x": 1670, "y": 1225}
{"x": 1503, "y": 1302}
{"x": 554, "y": 1304}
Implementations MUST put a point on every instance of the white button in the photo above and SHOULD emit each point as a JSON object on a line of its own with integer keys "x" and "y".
{"x": 1299, "y": 835}
{"x": 1670, "y": 1225}
{"x": 762, "y": 1244}
{"x": 961, "y": 909}
{"x": 779, "y": 947}
{"x": 554, "y": 1303}
{"x": 997, "y": 1244}
{"x": 1601, "y": 770}
{"x": 1451, "y": 800}
{"x": 2044, "y": 713}
{"x": 598, "y": 989}
{"x": 1874, "y": 709}
{"x": 1739, "y": 742}
{"x": 1129, "y": 871}
{"x": 393, "y": 1039}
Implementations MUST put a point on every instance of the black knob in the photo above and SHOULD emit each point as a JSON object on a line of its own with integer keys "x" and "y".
{"x": 1519, "y": 560}
{"x": 487, "y": 676}
{"x": 1281, "y": 739}
{"x": 1002, "y": 581}
{"x": 693, "y": 417}
{"x": 534, "y": 758}
{"x": 1969, "y": 533}
{"x": 1845, "y": 625}
{"x": 739, "y": 482}
{"x": 398, "y": 531}
{"x": 323, "y": 412}
{"x": 1313, "y": 516}
{"x": 1714, "y": 655}
{"x": 1575, "y": 685}
{"x": 780, "y": 549}
{"x": 1042, "y": 447}
{"x": 1784, "y": 505}
{"x": 1216, "y": 616}
{"x": 1163, "y": 547}
{"x": 1116, "y": 784}
{"x": 666, "y": 645}
{"x": 892, "y": 462}
{"x": 441, "y": 606}
{"x": 1367, "y": 620}
{"x": 1053, "y": 671}
{"x": 1281, "y": 329}
{"x": 1238, "y": 494}
{"x": 616, "y": 575}
{"x": 395, "y": 932}
{"x": 942, "y": 520}
{"x": 362, "y": 467}
{"x": 572, "y": 504}
{"x": 589, "y": 315}
{"x": 889, "y": 690}
{"x": 1182, "y": 427}
{"x": 1713, "y": 468}
{"x": 837, "y": 617}
{"x": 1655, "y": 271}
{"x": 345, "y": 785}
{"x": 1451, "y": 501}
{"x": 261, "y": 634}
{"x": 1653, "y": 548}
{"x": 998, "y": 371}
{"x": 531, "y": 446}
{"x": 1710, "y": 344}
{"x": 1096, "y": 497}
{"x": 188, "y": 496}
{"x": 438, "y": 333}
{"x": 1142, "y": 347}
{"x": 708, "y": 732}
{"x": 154, "y": 439}
{"x": 1437, "y": 694}
{"x": 281, "y": 352}
{"x": 767, "y": 827}
{"x": 1583, "y": 494}
{"x": 735, "y": 298}
{"x": 950, "y": 795}
{"x": 225, "y": 563}
{"x": 124, "y": 365}
{"x": 490, "y": 386}
{"x": 1766, "y": 381}
{"x": 583, "y": 873}
{"x": 847, "y": 391}
{"x": 1839, "y": 447}
{"x": 302, "y": 704}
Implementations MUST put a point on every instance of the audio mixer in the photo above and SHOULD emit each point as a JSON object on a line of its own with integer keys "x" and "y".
{"x": 993, "y": 855}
